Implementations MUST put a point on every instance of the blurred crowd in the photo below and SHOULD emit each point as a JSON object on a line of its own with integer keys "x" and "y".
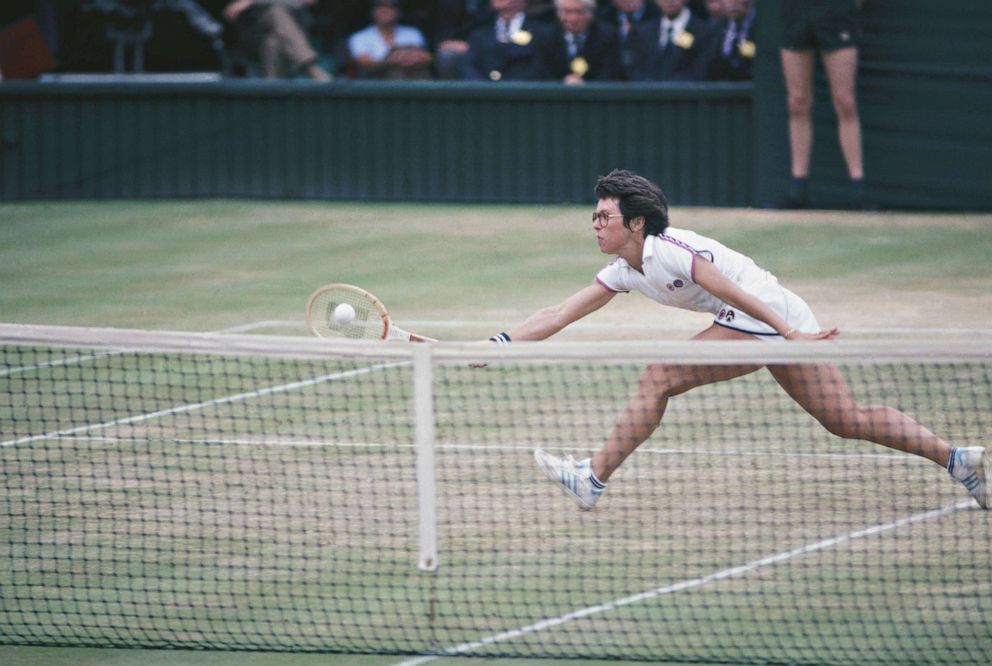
{"x": 571, "y": 41}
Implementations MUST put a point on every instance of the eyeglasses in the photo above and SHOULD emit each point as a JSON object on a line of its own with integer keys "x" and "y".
{"x": 603, "y": 218}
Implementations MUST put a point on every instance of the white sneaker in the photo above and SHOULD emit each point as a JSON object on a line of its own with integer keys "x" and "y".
{"x": 571, "y": 476}
{"x": 972, "y": 466}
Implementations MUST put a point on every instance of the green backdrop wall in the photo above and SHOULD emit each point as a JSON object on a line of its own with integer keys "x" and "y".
{"x": 406, "y": 142}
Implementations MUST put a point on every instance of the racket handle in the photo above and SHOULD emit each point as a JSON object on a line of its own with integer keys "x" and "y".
{"x": 394, "y": 332}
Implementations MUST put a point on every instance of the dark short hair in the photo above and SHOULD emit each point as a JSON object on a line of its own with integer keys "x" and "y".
{"x": 638, "y": 197}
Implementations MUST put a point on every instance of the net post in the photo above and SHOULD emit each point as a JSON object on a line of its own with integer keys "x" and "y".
{"x": 423, "y": 395}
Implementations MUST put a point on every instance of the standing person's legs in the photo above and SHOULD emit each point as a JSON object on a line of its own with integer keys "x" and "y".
{"x": 841, "y": 67}
{"x": 797, "y": 69}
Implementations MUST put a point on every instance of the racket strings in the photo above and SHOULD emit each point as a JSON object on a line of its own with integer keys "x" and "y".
{"x": 368, "y": 323}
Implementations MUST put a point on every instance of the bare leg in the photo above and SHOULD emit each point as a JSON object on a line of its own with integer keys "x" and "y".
{"x": 658, "y": 383}
{"x": 797, "y": 68}
{"x": 841, "y": 67}
{"x": 821, "y": 390}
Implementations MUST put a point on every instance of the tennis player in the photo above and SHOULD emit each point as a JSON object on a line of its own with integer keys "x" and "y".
{"x": 684, "y": 269}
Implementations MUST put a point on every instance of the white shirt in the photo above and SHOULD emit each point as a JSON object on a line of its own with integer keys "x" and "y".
{"x": 505, "y": 30}
{"x": 668, "y": 277}
{"x": 370, "y": 43}
{"x": 677, "y": 25}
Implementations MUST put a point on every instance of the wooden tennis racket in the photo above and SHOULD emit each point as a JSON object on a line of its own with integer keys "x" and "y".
{"x": 371, "y": 319}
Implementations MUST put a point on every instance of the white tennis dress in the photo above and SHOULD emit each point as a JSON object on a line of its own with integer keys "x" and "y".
{"x": 668, "y": 262}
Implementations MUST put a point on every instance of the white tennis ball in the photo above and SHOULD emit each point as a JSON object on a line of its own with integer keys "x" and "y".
{"x": 344, "y": 314}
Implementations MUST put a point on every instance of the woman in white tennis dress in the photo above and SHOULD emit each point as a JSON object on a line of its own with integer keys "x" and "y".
{"x": 687, "y": 270}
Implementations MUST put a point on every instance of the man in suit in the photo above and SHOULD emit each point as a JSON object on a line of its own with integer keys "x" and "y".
{"x": 507, "y": 48}
{"x": 456, "y": 21}
{"x": 676, "y": 48}
{"x": 581, "y": 48}
{"x": 734, "y": 44}
{"x": 626, "y": 15}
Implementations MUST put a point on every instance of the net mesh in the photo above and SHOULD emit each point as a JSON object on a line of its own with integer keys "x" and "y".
{"x": 162, "y": 490}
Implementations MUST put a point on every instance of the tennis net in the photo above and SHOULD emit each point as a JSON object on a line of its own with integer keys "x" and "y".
{"x": 170, "y": 490}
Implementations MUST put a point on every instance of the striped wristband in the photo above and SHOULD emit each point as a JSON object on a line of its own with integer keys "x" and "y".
{"x": 500, "y": 338}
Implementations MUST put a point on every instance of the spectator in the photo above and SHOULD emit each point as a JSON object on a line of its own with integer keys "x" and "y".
{"x": 581, "y": 48}
{"x": 832, "y": 27}
{"x": 387, "y": 49}
{"x": 714, "y": 11}
{"x": 625, "y": 15}
{"x": 507, "y": 48}
{"x": 734, "y": 42}
{"x": 457, "y": 19}
{"x": 273, "y": 32}
{"x": 676, "y": 48}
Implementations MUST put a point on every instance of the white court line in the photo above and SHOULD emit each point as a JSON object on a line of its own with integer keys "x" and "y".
{"x": 73, "y": 360}
{"x": 239, "y": 397}
{"x": 70, "y": 360}
{"x": 304, "y": 443}
{"x": 686, "y": 584}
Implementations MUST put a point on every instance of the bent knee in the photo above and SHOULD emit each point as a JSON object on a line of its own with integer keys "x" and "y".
{"x": 853, "y": 422}
{"x": 661, "y": 378}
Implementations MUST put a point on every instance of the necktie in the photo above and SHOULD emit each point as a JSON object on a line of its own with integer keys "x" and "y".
{"x": 503, "y": 31}
{"x": 731, "y": 37}
{"x": 624, "y": 24}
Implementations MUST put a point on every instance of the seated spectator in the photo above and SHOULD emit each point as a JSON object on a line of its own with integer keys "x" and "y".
{"x": 457, "y": 19}
{"x": 507, "y": 48}
{"x": 625, "y": 15}
{"x": 714, "y": 11}
{"x": 581, "y": 48}
{"x": 273, "y": 32}
{"x": 676, "y": 48}
{"x": 387, "y": 49}
{"x": 734, "y": 54}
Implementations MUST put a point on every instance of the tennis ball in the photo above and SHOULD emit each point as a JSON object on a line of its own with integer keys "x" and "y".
{"x": 344, "y": 314}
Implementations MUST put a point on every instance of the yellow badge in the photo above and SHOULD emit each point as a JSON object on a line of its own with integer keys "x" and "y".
{"x": 579, "y": 66}
{"x": 684, "y": 40}
{"x": 746, "y": 48}
{"x": 521, "y": 38}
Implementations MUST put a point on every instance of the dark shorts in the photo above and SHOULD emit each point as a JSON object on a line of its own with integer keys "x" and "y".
{"x": 825, "y": 25}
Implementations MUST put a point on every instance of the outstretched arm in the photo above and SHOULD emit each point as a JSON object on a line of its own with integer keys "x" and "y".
{"x": 547, "y": 321}
{"x": 712, "y": 280}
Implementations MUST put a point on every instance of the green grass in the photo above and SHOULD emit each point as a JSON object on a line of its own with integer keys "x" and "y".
{"x": 214, "y": 264}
